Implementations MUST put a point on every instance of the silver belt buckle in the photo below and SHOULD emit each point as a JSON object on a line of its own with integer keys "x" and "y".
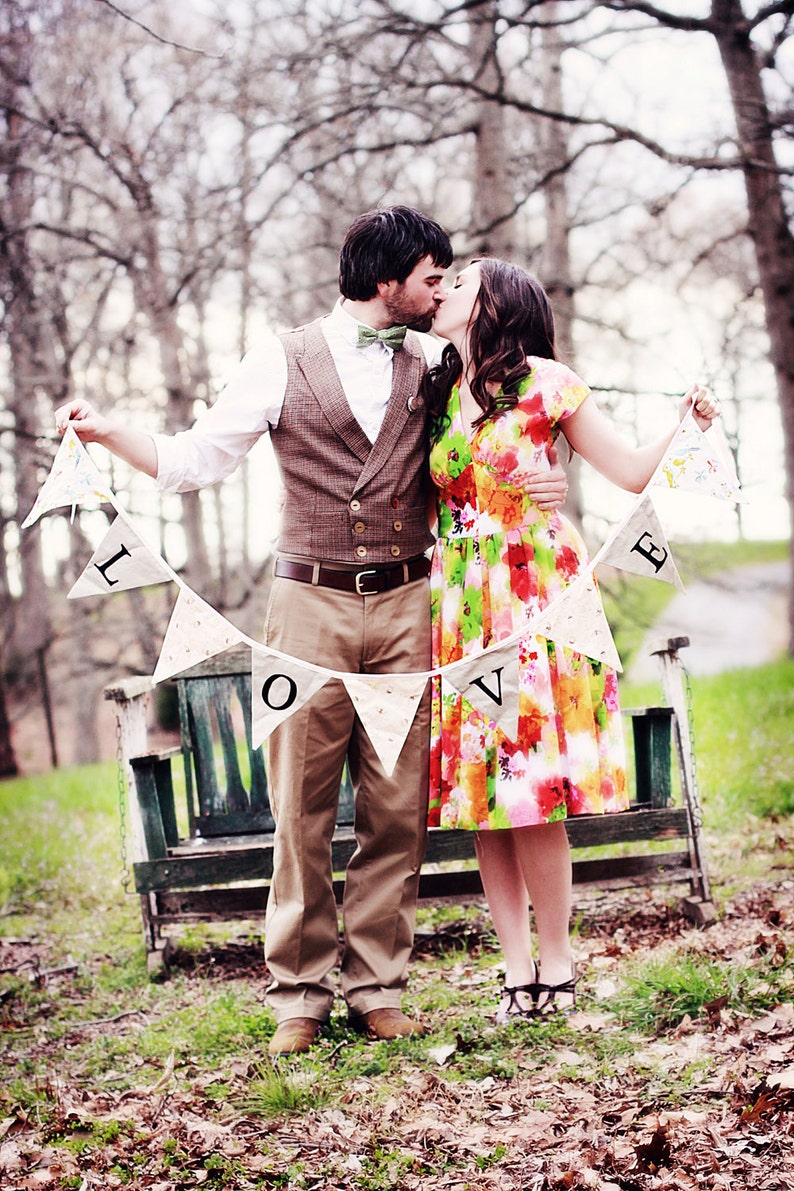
{"x": 359, "y": 576}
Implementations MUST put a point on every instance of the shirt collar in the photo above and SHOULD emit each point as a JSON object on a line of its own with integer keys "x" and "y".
{"x": 345, "y": 325}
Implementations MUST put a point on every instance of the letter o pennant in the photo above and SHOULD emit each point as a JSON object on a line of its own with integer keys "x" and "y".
{"x": 279, "y": 686}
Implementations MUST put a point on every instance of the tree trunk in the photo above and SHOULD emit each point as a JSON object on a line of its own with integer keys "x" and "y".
{"x": 23, "y": 323}
{"x": 8, "y": 761}
{"x": 767, "y": 224}
{"x": 556, "y": 272}
{"x": 492, "y": 206}
{"x": 154, "y": 300}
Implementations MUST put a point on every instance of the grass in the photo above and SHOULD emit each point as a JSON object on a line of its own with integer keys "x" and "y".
{"x": 61, "y": 892}
{"x": 287, "y": 1087}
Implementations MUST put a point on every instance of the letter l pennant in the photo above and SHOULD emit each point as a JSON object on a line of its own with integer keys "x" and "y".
{"x": 120, "y": 562}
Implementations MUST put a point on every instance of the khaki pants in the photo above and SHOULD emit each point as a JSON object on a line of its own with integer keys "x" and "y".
{"x": 388, "y": 633}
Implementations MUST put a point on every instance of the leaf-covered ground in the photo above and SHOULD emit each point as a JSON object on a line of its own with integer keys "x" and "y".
{"x": 598, "y": 1102}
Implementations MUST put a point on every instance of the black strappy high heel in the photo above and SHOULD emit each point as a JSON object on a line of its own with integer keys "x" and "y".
{"x": 549, "y": 1006}
{"x": 514, "y": 1008}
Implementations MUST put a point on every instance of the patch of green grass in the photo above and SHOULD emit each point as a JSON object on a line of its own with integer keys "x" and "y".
{"x": 742, "y": 729}
{"x": 659, "y": 993}
{"x": 287, "y": 1087}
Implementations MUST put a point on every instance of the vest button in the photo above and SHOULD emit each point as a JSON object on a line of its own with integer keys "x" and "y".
{"x": 395, "y": 550}
{"x": 398, "y": 525}
{"x": 355, "y": 505}
{"x": 361, "y": 551}
{"x": 395, "y": 502}
{"x": 359, "y": 527}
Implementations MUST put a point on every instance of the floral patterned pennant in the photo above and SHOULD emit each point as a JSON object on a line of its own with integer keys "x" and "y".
{"x": 694, "y": 465}
{"x": 73, "y": 479}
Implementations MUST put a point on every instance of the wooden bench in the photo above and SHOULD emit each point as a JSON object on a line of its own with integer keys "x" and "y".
{"x": 210, "y": 856}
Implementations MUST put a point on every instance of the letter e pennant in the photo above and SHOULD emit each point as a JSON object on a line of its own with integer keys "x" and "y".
{"x": 279, "y": 686}
{"x": 120, "y": 562}
{"x": 489, "y": 681}
{"x": 195, "y": 632}
{"x": 386, "y": 708}
{"x": 640, "y": 546}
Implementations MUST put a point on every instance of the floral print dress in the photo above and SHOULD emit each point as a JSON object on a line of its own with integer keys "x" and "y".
{"x": 499, "y": 560}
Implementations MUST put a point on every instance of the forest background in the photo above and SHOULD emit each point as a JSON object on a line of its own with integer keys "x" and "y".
{"x": 175, "y": 179}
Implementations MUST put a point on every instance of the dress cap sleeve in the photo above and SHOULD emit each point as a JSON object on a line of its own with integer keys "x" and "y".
{"x": 561, "y": 390}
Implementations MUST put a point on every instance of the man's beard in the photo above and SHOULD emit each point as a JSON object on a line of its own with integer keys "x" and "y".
{"x": 404, "y": 314}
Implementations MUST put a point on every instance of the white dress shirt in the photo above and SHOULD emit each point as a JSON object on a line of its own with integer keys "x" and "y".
{"x": 251, "y": 403}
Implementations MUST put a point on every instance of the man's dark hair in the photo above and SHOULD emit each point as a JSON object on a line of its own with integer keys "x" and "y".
{"x": 387, "y": 245}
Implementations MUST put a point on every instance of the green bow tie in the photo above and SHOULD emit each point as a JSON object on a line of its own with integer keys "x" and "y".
{"x": 393, "y": 337}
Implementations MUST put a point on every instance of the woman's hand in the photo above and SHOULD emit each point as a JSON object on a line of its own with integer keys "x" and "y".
{"x": 89, "y": 425}
{"x": 704, "y": 404}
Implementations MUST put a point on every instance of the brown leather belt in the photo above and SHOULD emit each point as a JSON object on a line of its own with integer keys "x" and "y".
{"x": 369, "y": 581}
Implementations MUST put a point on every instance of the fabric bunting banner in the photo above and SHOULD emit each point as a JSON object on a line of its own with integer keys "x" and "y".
{"x": 692, "y": 464}
{"x": 195, "y": 632}
{"x": 577, "y": 620}
{"x": 73, "y": 479}
{"x": 120, "y": 562}
{"x": 386, "y": 703}
{"x": 640, "y": 546}
{"x": 386, "y": 710}
{"x": 279, "y": 686}
{"x": 489, "y": 681}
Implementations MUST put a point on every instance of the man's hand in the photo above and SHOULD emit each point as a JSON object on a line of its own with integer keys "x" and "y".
{"x": 135, "y": 446}
{"x": 548, "y": 489}
{"x": 89, "y": 425}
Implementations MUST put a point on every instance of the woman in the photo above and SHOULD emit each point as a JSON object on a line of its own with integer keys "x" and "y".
{"x": 498, "y": 400}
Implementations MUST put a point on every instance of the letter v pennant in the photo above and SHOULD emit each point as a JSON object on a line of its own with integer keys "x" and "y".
{"x": 489, "y": 681}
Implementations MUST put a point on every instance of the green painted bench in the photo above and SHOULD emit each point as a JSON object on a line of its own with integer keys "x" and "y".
{"x": 207, "y": 854}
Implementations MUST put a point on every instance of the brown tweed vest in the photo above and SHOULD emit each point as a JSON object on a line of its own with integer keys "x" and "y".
{"x": 347, "y": 499}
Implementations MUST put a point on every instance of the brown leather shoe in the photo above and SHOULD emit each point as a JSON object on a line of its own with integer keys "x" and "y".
{"x": 381, "y": 1025}
{"x": 294, "y": 1036}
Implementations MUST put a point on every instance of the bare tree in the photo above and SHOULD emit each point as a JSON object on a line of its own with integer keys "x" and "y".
{"x": 744, "y": 60}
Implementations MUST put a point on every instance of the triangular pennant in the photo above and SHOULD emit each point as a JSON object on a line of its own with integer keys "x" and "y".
{"x": 692, "y": 464}
{"x": 489, "y": 681}
{"x": 121, "y": 561}
{"x": 73, "y": 478}
{"x": 386, "y": 708}
{"x": 279, "y": 686}
{"x": 640, "y": 546}
{"x": 578, "y": 621}
{"x": 195, "y": 632}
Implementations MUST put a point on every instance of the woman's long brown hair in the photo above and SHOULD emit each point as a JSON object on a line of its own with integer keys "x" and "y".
{"x": 512, "y": 320}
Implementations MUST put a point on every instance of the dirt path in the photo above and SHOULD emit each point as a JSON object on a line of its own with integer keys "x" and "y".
{"x": 734, "y": 619}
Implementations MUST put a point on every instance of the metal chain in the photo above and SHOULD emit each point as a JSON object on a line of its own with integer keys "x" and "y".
{"x": 121, "y": 779}
{"x": 697, "y": 814}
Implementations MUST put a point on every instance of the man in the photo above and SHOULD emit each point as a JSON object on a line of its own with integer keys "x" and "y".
{"x": 340, "y": 399}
